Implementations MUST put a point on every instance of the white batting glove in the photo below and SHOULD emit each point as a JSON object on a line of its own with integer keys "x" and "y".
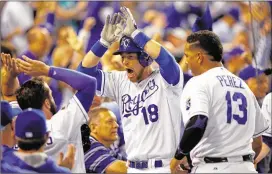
{"x": 112, "y": 30}
{"x": 130, "y": 22}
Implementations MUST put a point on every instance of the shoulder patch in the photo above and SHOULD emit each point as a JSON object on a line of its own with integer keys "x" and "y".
{"x": 188, "y": 104}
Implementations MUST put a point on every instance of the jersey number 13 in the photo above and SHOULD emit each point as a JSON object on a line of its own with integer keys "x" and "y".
{"x": 241, "y": 119}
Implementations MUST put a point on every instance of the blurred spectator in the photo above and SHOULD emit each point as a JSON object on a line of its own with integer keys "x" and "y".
{"x": 40, "y": 42}
{"x": 256, "y": 80}
{"x": 236, "y": 59}
{"x": 98, "y": 159}
{"x": 224, "y": 27}
{"x": 16, "y": 19}
{"x": 70, "y": 12}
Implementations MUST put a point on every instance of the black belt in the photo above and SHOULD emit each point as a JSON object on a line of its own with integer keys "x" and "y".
{"x": 225, "y": 159}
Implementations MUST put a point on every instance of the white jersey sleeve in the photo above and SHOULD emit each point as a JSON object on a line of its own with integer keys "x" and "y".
{"x": 260, "y": 122}
{"x": 69, "y": 119}
{"x": 110, "y": 84}
{"x": 197, "y": 101}
{"x": 266, "y": 111}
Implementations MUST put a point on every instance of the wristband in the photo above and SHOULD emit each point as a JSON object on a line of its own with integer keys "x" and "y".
{"x": 179, "y": 155}
{"x": 99, "y": 49}
{"x": 140, "y": 38}
{"x": 105, "y": 43}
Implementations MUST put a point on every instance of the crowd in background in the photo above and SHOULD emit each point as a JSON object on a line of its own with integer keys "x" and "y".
{"x": 61, "y": 33}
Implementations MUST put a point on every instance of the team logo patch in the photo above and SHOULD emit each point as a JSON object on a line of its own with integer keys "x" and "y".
{"x": 125, "y": 42}
{"x": 188, "y": 104}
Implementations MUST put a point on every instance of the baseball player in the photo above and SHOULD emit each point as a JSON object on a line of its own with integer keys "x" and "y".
{"x": 220, "y": 112}
{"x": 64, "y": 126}
{"x": 267, "y": 136}
{"x": 147, "y": 98}
{"x": 31, "y": 134}
{"x": 7, "y": 168}
{"x": 7, "y": 130}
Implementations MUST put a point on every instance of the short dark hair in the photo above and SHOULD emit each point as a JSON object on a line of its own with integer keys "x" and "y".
{"x": 8, "y": 50}
{"x": 32, "y": 144}
{"x": 32, "y": 94}
{"x": 208, "y": 41}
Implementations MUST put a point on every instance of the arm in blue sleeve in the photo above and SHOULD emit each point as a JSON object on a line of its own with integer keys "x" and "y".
{"x": 94, "y": 72}
{"x": 169, "y": 68}
{"x": 193, "y": 133}
{"x": 85, "y": 85}
{"x": 50, "y": 19}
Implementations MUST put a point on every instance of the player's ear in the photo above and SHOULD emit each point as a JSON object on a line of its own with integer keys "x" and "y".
{"x": 200, "y": 57}
{"x": 46, "y": 136}
{"x": 47, "y": 104}
{"x": 93, "y": 127}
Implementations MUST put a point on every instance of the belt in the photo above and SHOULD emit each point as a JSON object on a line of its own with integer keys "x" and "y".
{"x": 144, "y": 164}
{"x": 225, "y": 159}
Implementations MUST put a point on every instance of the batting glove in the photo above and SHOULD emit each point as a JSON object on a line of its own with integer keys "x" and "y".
{"x": 112, "y": 30}
{"x": 130, "y": 22}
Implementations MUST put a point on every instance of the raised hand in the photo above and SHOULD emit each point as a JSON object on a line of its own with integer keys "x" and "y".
{"x": 73, "y": 41}
{"x": 112, "y": 29}
{"x": 130, "y": 22}
{"x": 69, "y": 159}
{"x": 10, "y": 64}
{"x": 33, "y": 67}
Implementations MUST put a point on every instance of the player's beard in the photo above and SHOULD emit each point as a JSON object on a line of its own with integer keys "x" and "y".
{"x": 53, "y": 108}
{"x": 140, "y": 75}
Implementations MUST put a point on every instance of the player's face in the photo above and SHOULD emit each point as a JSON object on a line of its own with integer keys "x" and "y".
{"x": 191, "y": 59}
{"x": 107, "y": 127}
{"x": 259, "y": 86}
{"x": 132, "y": 66}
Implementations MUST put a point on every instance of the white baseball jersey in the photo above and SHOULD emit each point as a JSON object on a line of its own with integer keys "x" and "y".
{"x": 150, "y": 113}
{"x": 64, "y": 129}
{"x": 234, "y": 116}
{"x": 266, "y": 111}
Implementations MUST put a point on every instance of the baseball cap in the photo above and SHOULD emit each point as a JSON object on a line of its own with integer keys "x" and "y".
{"x": 234, "y": 52}
{"x": 249, "y": 72}
{"x": 7, "y": 113}
{"x": 235, "y": 13}
{"x": 30, "y": 124}
{"x": 127, "y": 45}
{"x": 204, "y": 22}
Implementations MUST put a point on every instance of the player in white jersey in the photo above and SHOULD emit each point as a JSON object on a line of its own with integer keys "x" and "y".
{"x": 147, "y": 98}
{"x": 64, "y": 125}
{"x": 220, "y": 112}
{"x": 267, "y": 136}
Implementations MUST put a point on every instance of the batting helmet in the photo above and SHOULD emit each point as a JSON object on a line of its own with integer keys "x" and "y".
{"x": 127, "y": 45}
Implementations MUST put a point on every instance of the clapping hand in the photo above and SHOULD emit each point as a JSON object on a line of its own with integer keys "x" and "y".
{"x": 130, "y": 22}
{"x": 112, "y": 30}
{"x": 69, "y": 159}
{"x": 10, "y": 64}
{"x": 33, "y": 67}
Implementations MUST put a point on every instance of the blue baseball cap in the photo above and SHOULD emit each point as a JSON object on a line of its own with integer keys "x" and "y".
{"x": 30, "y": 124}
{"x": 249, "y": 72}
{"x": 234, "y": 52}
{"x": 127, "y": 45}
{"x": 235, "y": 13}
{"x": 7, "y": 113}
{"x": 204, "y": 22}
